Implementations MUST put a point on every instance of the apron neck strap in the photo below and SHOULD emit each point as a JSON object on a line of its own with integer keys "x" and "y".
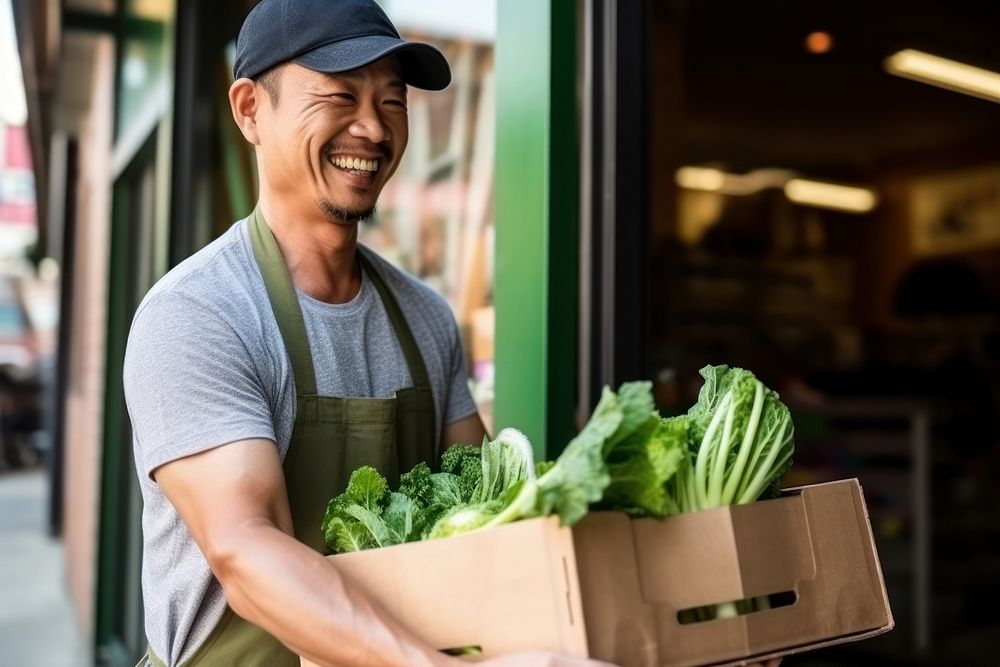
{"x": 288, "y": 313}
{"x": 414, "y": 360}
{"x": 281, "y": 294}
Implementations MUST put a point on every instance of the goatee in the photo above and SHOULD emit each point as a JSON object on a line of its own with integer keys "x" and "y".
{"x": 345, "y": 216}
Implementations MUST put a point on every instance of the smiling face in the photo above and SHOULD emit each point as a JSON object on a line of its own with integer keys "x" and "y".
{"x": 331, "y": 141}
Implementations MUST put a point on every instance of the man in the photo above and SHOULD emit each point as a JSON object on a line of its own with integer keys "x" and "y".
{"x": 265, "y": 368}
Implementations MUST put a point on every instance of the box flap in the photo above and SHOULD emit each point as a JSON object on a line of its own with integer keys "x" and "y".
{"x": 696, "y": 547}
{"x": 620, "y": 625}
{"x": 765, "y": 569}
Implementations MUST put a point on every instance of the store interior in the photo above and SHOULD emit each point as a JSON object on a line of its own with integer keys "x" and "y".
{"x": 826, "y": 213}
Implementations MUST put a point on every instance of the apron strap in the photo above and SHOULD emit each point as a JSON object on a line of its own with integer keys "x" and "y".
{"x": 414, "y": 360}
{"x": 281, "y": 293}
{"x": 288, "y": 313}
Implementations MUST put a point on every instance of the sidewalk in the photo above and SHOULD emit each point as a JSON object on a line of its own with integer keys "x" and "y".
{"x": 36, "y": 624}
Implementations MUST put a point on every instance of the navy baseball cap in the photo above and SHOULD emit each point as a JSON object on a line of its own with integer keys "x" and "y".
{"x": 332, "y": 36}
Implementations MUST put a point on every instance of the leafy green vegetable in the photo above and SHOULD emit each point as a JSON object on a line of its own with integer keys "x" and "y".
{"x": 417, "y": 484}
{"x": 542, "y": 467}
{"x": 351, "y": 521}
{"x": 367, "y": 487}
{"x": 380, "y": 533}
{"x": 432, "y": 495}
{"x": 731, "y": 446}
{"x": 465, "y": 462}
{"x": 343, "y": 536}
{"x": 579, "y": 475}
{"x": 623, "y": 427}
{"x": 641, "y": 465}
{"x": 504, "y": 461}
{"x": 506, "y": 464}
{"x": 740, "y": 441}
{"x": 465, "y": 518}
{"x": 446, "y": 490}
{"x": 636, "y": 402}
{"x": 473, "y": 488}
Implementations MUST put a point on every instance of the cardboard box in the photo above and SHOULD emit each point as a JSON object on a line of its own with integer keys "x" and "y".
{"x": 814, "y": 544}
{"x": 531, "y": 585}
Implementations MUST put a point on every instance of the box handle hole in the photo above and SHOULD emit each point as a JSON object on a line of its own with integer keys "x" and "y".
{"x": 461, "y": 651}
{"x": 736, "y": 608}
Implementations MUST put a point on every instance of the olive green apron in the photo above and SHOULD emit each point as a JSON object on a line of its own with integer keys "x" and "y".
{"x": 332, "y": 437}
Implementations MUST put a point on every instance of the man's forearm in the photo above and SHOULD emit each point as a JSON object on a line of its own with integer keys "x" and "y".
{"x": 299, "y": 597}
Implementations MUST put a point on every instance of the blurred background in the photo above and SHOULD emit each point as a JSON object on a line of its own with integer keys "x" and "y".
{"x": 608, "y": 190}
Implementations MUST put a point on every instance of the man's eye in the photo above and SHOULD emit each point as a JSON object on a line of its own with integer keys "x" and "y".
{"x": 341, "y": 97}
{"x": 396, "y": 103}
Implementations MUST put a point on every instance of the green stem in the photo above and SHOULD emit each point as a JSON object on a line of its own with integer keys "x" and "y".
{"x": 766, "y": 469}
{"x": 519, "y": 508}
{"x": 701, "y": 463}
{"x": 721, "y": 455}
{"x": 736, "y": 474}
{"x": 689, "y": 487}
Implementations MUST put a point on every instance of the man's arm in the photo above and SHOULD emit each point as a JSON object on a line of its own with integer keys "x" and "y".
{"x": 234, "y": 502}
{"x": 468, "y": 431}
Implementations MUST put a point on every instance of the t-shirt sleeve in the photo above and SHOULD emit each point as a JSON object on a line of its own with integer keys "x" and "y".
{"x": 460, "y": 404}
{"x": 190, "y": 383}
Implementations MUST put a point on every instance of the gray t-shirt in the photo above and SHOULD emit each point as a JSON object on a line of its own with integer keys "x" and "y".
{"x": 205, "y": 366}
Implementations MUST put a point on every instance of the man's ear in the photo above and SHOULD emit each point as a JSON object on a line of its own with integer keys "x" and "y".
{"x": 244, "y": 102}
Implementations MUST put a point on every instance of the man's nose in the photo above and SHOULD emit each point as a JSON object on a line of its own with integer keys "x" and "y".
{"x": 369, "y": 125}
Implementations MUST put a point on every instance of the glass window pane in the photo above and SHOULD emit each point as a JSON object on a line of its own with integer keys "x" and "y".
{"x": 145, "y": 60}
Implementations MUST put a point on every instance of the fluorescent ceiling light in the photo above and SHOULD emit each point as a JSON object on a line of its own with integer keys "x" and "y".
{"x": 820, "y": 194}
{"x": 944, "y": 73}
{"x": 700, "y": 178}
{"x": 830, "y": 195}
{"x": 716, "y": 180}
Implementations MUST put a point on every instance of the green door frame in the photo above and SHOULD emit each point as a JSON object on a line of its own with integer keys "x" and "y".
{"x": 537, "y": 223}
{"x": 119, "y": 545}
{"x": 119, "y": 634}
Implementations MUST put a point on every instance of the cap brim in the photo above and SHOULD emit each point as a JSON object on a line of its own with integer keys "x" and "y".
{"x": 423, "y": 65}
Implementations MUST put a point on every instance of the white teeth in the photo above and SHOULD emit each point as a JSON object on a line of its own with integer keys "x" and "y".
{"x": 355, "y": 163}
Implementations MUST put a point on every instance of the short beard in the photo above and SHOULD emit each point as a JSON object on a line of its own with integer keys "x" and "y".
{"x": 344, "y": 216}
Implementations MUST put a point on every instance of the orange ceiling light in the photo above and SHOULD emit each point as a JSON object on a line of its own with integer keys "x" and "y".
{"x": 819, "y": 42}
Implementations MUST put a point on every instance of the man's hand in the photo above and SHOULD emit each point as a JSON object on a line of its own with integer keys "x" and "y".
{"x": 541, "y": 659}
